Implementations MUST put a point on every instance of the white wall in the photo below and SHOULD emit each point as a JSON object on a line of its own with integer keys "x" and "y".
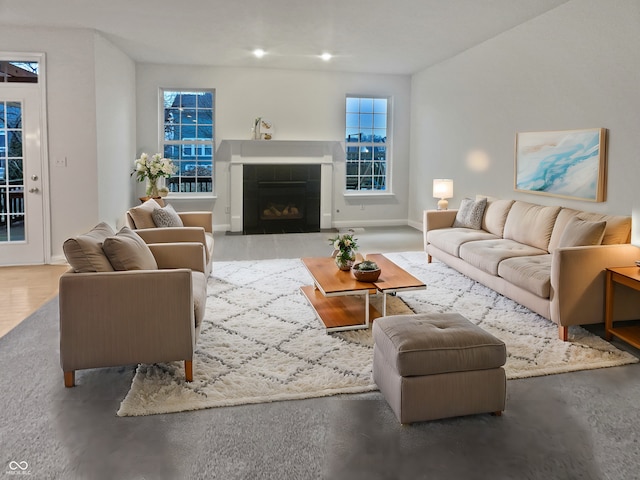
{"x": 71, "y": 109}
{"x": 116, "y": 130}
{"x": 303, "y": 105}
{"x": 577, "y": 66}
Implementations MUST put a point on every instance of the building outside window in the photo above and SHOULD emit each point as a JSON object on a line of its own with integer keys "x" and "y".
{"x": 188, "y": 139}
{"x": 367, "y": 139}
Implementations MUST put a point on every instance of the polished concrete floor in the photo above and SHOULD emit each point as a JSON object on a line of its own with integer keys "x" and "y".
{"x": 583, "y": 425}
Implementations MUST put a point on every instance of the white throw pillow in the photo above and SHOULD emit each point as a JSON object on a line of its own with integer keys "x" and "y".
{"x": 470, "y": 213}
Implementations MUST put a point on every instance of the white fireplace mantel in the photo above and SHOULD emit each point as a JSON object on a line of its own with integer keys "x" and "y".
{"x": 270, "y": 152}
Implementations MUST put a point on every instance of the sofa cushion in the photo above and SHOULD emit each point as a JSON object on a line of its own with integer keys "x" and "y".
{"x": 532, "y": 273}
{"x": 470, "y": 213}
{"x": 142, "y": 215}
{"x": 495, "y": 216}
{"x": 530, "y": 224}
{"x": 617, "y": 230}
{"x": 127, "y": 251}
{"x": 487, "y": 254}
{"x": 166, "y": 217}
{"x": 84, "y": 253}
{"x": 449, "y": 239}
{"x": 580, "y": 232}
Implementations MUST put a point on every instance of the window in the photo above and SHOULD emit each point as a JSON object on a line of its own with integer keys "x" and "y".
{"x": 188, "y": 139}
{"x": 18, "y": 71}
{"x": 367, "y": 142}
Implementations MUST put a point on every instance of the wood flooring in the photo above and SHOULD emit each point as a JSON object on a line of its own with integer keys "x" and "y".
{"x": 25, "y": 289}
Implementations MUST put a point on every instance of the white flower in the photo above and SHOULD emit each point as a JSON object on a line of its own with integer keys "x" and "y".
{"x": 153, "y": 167}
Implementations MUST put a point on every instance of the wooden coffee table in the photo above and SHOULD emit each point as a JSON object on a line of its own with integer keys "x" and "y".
{"x": 342, "y": 303}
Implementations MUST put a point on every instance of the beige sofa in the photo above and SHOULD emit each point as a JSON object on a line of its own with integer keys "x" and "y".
{"x": 538, "y": 256}
{"x": 189, "y": 227}
{"x": 124, "y": 302}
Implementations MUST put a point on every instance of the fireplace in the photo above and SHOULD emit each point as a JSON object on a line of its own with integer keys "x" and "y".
{"x": 288, "y": 153}
{"x": 280, "y": 198}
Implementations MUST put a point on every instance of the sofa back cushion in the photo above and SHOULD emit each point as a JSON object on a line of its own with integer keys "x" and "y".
{"x": 581, "y": 232}
{"x": 84, "y": 253}
{"x": 495, "y": 215}
{"x": 530, "y": 224}
{"x": 127, "y": 251}
{"x": 617, "y": 230}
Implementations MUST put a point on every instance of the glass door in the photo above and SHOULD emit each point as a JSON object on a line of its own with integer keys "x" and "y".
{"x": 21, "y": 200}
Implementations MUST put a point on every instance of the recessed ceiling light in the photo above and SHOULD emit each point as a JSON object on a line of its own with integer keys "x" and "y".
{"x": 259, "y": 53}
{"x": 326, "y": 56}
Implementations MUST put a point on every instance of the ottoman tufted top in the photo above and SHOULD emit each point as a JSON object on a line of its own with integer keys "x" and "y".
{"x": 433, "y": 343}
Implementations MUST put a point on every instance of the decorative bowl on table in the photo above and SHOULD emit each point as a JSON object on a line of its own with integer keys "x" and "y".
{"x": 366, "y": 271}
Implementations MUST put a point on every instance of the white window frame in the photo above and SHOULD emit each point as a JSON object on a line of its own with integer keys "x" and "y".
{"x": 200, "y": 144}
{"x": 388, "y": 191}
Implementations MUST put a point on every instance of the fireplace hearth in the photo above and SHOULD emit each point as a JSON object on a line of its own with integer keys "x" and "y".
{"x": 281, "y": 198}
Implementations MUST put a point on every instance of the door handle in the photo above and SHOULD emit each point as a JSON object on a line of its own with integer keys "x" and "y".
{"x": 34, "y": 177}
{"x": 34, "y": 190}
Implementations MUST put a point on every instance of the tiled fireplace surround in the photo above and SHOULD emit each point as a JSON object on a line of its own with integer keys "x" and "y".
{"x": 280, "y": 152}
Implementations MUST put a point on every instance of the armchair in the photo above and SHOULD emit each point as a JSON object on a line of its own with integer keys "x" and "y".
{"x": 111, "y": 318}
{"x": 196, "y": 227}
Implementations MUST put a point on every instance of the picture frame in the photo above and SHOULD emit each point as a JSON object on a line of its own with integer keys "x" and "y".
{"x": 564, "y": 163}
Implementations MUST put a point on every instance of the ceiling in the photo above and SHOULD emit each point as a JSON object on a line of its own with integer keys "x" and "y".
{"x": 365, "y": 36}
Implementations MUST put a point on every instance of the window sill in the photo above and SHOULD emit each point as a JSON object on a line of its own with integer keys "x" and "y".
{"x": 187, "y": 196}
{"x": 368, "y": 194}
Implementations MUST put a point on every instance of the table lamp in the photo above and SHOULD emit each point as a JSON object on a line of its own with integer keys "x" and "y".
{"x": 442, "y": 189}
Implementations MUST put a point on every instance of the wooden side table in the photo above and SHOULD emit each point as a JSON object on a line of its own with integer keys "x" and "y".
{"x": 630, "y": 277}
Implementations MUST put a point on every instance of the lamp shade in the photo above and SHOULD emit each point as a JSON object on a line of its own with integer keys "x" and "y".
{"x": 442, "y": 189}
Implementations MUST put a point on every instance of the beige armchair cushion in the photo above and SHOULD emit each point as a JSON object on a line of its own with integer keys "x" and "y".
{"x": 127, "y": 251}
{"x": 142, "y": 215}
{"x": 84, "y": 253}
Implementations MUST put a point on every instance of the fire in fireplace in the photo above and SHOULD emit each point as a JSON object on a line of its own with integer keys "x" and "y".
{"x": 281, "y": 198}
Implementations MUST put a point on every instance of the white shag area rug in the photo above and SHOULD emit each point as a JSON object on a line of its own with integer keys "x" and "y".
{"x": 261, "y": 341}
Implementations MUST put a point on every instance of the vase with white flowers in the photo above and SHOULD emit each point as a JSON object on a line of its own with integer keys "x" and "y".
{"x": 152, "y": 168}
{"x": 345, "y": 247}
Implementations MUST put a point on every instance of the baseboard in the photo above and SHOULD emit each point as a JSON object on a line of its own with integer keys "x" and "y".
{"x": 58, "y": 259}
{"x": 370, "y": 223}
{"x": 416, "y": 225}
{"x": 226, "y": 227}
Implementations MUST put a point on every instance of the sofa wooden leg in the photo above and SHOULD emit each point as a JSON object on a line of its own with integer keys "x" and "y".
{"x": 497, "y": 414}
{"x": 188, "y": 370}
{"x": 70, "y": 379}
{"x": 428, "y": 258}
{"x": 563, "y": 333}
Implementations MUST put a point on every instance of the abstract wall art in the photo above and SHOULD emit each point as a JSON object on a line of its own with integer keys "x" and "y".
{"x": 567, "y": 163}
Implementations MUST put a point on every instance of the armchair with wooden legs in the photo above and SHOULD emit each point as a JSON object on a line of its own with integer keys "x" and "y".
{"x": 112, "y": 318}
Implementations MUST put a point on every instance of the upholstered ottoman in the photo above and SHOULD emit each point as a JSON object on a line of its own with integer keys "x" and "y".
{"x": 437, "y": 365}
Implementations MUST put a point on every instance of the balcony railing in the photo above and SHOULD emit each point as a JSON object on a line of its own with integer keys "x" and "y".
{"x": 12, "y": 205}
{"x": 188, "y": 185}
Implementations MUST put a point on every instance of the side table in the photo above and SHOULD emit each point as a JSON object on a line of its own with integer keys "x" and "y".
{"x": 629, "y": 277}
